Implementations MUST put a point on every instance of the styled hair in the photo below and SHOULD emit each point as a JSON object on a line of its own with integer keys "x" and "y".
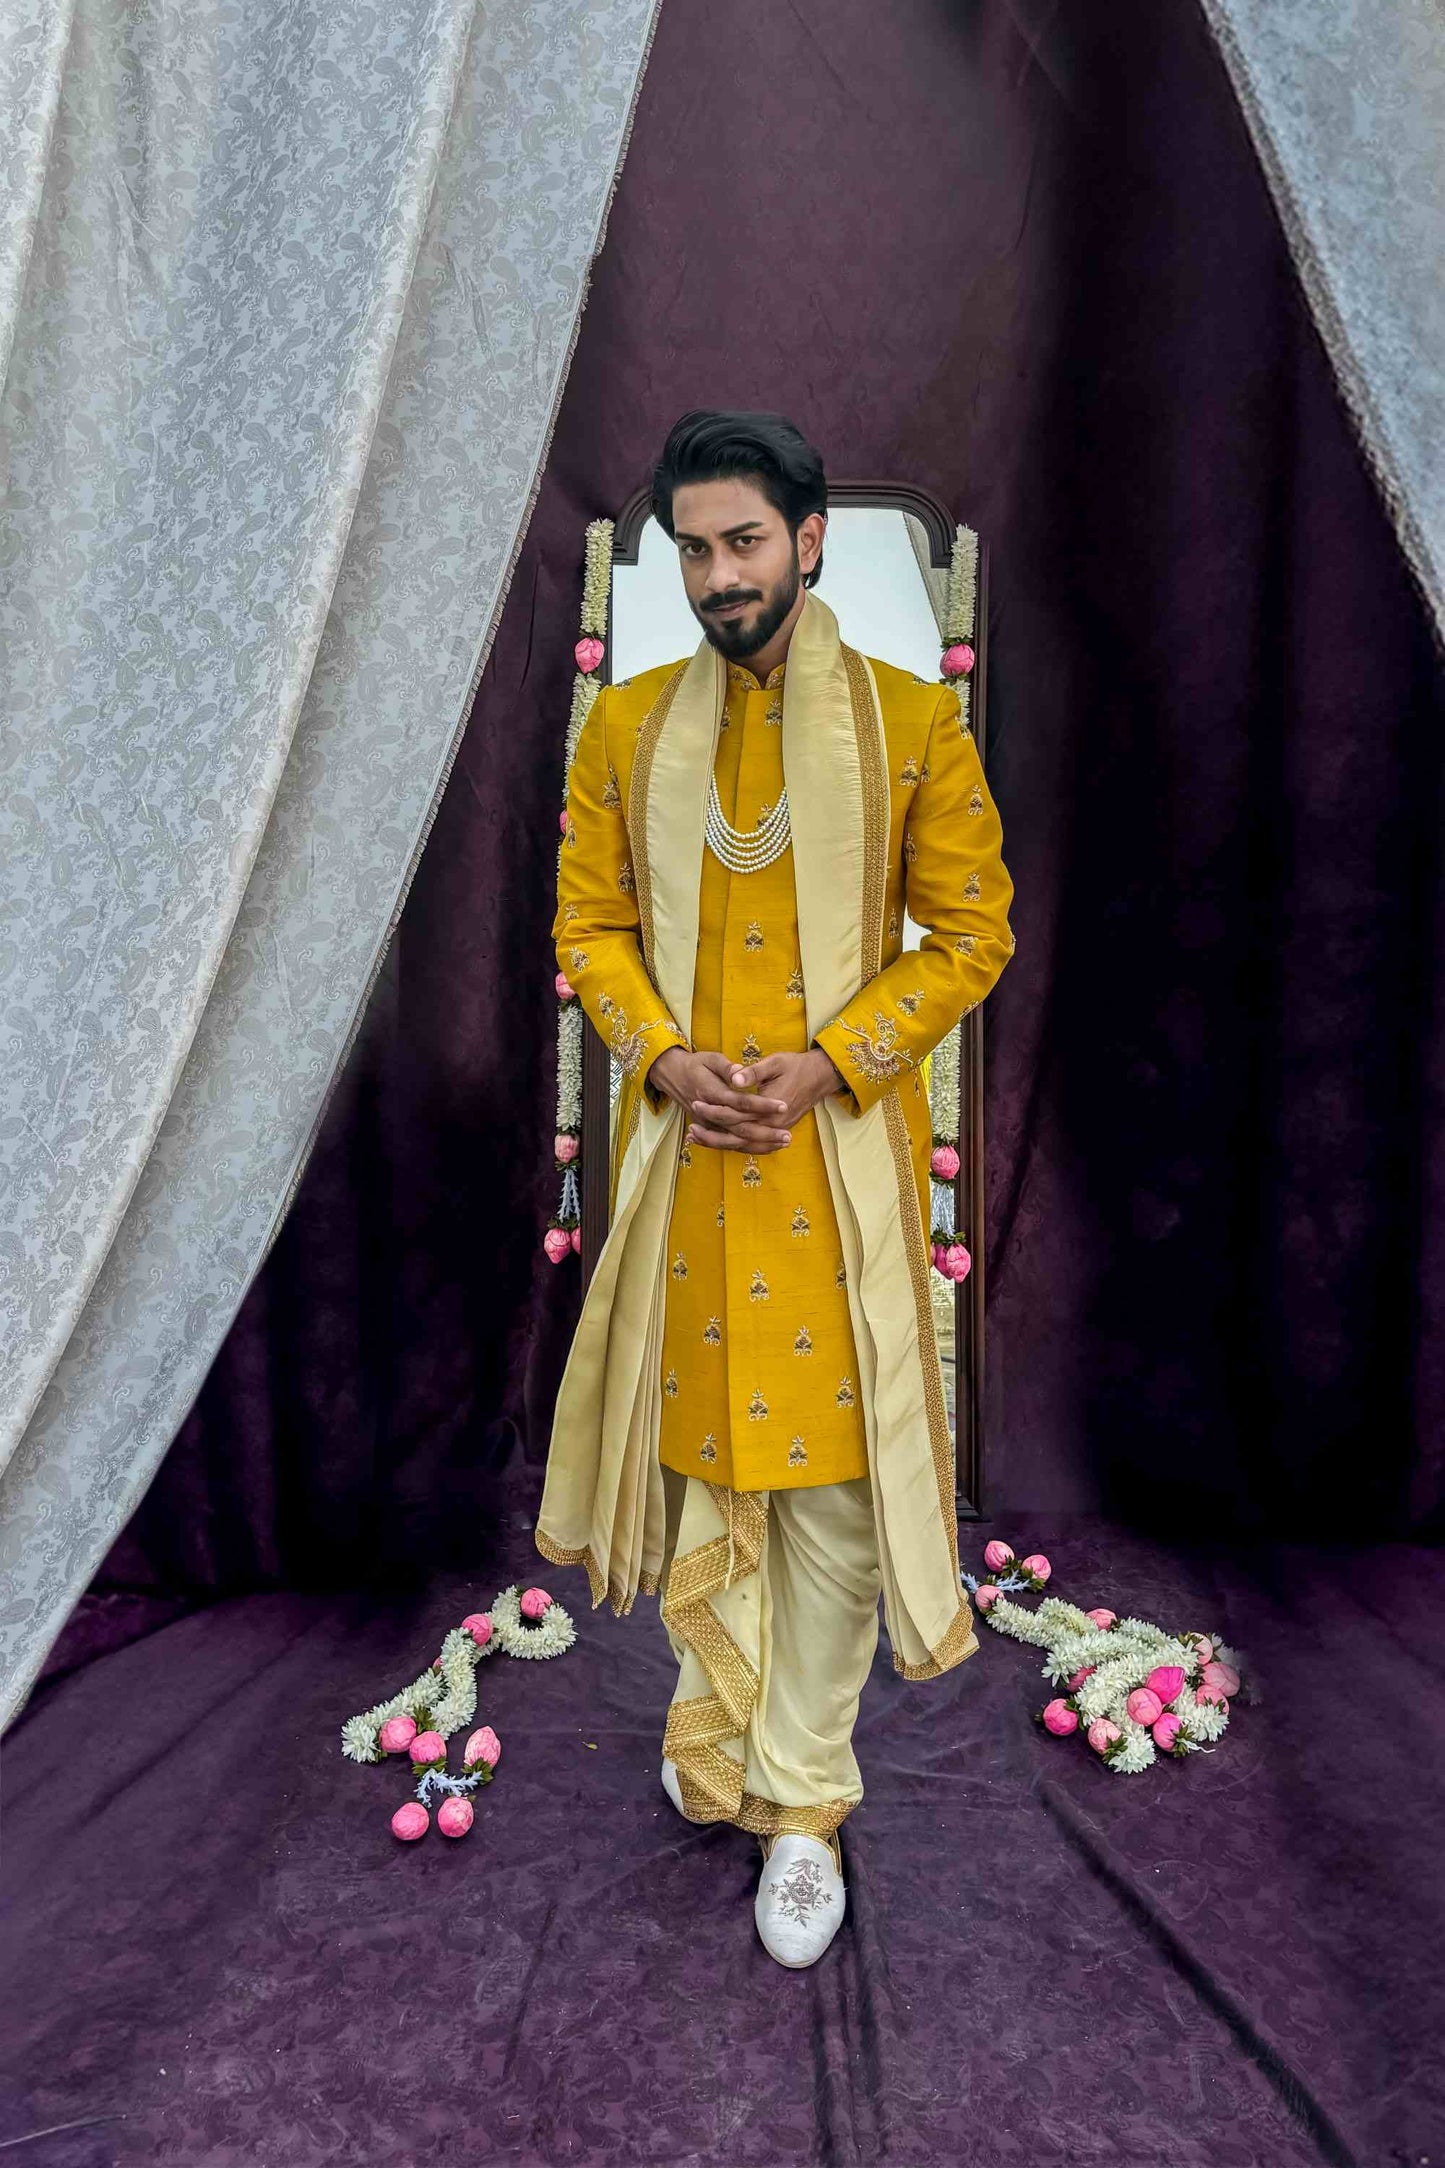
{"x": 706, "y": 446}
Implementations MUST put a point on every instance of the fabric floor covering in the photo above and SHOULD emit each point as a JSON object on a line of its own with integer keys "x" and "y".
{"x": 216, "y": 1953}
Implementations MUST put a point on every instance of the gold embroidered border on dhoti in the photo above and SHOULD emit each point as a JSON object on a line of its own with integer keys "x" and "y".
{"x": 710, "y": 1780}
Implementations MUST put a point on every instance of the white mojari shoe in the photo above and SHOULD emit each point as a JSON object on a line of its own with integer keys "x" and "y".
{"x": 670, "y": 1784}
{"x": 800, "y": 1901}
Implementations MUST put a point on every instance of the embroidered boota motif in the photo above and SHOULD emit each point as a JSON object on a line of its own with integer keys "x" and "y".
{"x": 840, "y": 1277}
{"x": 803, "y": 1345}
{"x": 757, "y": 1408}
{"x": 758, "y": 1289}
{"x": 578, "y": 958}
{"x": 975, "y": 803}
{"x": 795, "y": 990}
{"x": 844, "y": 1396}
{"x": 679, "y": 1267}
{"x": 626, "y": 880}
{"x": 712, "y": 1332}
{"x": 751, "y": 1050}
{"x": 971, "y": 889}
{"x": 908, "y": 1003}
{"x": 908, "y": 773}
{"x": 753, "y": 938}
{"x": 966, "y": 944}
{"x": 797, "y": 1454}
{"x": 800, "y": 1222}
{"x": 708, "y": 1449}
{"x": 752, "y": 1173}
{"x": 669, "y": 1385}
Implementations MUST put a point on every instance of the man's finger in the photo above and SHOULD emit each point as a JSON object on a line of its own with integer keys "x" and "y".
{"x": 739, "y": 1110}
{"x": 738, "y": 1140}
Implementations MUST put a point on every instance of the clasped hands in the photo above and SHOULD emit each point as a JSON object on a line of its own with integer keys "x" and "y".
{"x": 744, "y": 1107}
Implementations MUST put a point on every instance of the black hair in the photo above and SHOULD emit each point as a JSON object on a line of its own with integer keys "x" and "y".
{"x": 705, "y": 446}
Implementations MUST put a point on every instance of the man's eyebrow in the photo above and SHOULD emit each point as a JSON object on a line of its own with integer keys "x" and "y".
{"x": 680, "y": 534}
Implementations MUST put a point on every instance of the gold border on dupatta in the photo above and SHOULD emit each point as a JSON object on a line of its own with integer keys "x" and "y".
{"x": 638, "y": 785}
{"x": 562, "y": 1554}
{"x": 960, "y": 1641}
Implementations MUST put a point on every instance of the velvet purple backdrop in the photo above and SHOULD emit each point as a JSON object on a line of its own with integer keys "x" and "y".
{"x": 1023, "y": 256}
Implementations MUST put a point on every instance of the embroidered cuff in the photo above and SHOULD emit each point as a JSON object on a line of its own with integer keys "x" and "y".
{"x": 869, "y": 1059}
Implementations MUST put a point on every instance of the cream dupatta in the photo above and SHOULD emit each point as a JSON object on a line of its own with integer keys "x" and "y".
{"x": 603, "y": 1501}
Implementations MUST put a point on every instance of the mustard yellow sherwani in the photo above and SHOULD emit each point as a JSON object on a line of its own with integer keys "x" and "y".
{"x": 741, "y": 1333}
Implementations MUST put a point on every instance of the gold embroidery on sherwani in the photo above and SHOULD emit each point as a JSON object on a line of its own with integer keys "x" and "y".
{"x": 800, "y": 1223}
{"x": 708, "y": 1449}
{"x": 712, "y": 1332}
{"x": 845, "y": 1395}
{"x": 803, "y": 1344}
{"x": 966, "y": 943}
{"x": 751, "y": 1049}
{"x": 721, "y": 1221}
{"x": 795, "y": 989}
{"x": 649, "y": 731}
{"x": 669, "y": 1385}
{"x": 626, "y": 880}
{"x": 757, "y": 1287}
{"x": 752, "y": 1173}
{"x": 797, "y": 1454}
{"x": 679, "y": 1267}
{"x": 684, "y": 1157}
{"x": 975, "y": 803}
{"x": 971, "y": 890}
{"x": 757, "y": 1408}
{"x": 878, "y": 1055}
{"x": 753, "y": 938}
{"x": 578, "y": 958}
{"x": 909, "y": 1003}
{"x": 908, "y": 773}
{"x": 612, "y": 796}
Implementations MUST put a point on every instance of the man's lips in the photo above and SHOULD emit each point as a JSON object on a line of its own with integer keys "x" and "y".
{"x": 728, "y": 609}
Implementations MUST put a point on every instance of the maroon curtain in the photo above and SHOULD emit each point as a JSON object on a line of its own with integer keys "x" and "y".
{"x": 1022, "y": 256}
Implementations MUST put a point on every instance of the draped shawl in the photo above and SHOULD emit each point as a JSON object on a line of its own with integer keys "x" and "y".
{"x": 603, "y": 1504}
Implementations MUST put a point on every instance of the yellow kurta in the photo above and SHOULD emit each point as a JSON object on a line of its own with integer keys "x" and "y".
{"x": 759, "y": 1371}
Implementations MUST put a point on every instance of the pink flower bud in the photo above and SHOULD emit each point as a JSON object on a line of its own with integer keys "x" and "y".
{"x": 454, "y": 1815}
{"x": 562, "y": 820}
{"x": 1102, "y": 1618}
{"x": 1224, "y": 1676}
{"x": 940, "y": 1258}
{"x": 1037, "y": 1565}
{"x": 1204, "y": 1649}
{"x": 1144, "y": 1705}
{"x": 577, "y": 1240}
{"x": 1102, "y": 1734}
{"x": 535, "y": 1602}
{"x": 1060, "y": 1719}
{"x": 557, "y": 1243}
{"x": 1166, "y": 1680}
{"x": 565, "y": 1148}
{"x": 1086, "y": 1671}
{"x": 428, "y": 1746}
{"x": 589, "y": 651}
{"x": 1210, "y": 1697}
{"x": 1165, "y": 1729}
{"x": 958, "y": 660}
{"x": 479, "y": 1625}
{"x": 944, "y": 1162}
{"x": 483, "y": 1746}
{"x": 410, "y": 1822}
{"x": 436, "y": 1663}
{"x": 997, "y": 1555}
{"x": 956, "y": 1261}
{"x": 985, "y": 1596}
{"x": 564, "y": 987}
{"x": 396, "y": 1734}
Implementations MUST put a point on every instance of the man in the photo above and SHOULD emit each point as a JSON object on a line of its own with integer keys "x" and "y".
{"x": 752, "y": 1423}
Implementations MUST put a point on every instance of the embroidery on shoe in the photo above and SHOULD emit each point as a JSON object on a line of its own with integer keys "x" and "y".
{"x": 679, "y": 1267}
{"x": 797, "y": 1454}
{"x": 611, "y": 796}
{"x": 751, "y": 1050}
{"x": 712, "y": 1332}
{"x": 753, "y": 938}
{"x": 795, "y": 990}
{"x": 708, "y": 1449}
{"x": 908, "y": 1003}
{"x": 844, "y": 1397}
{"x": 971, "y": 889}
{"x": 752, "y": 1173}
{"x": 975, "y": 803}
{"x": 757, "y": 1408}
{"x": 669, "y": 1385}
{"x": 758, "y": 1291}
{"x": 803, "y": 1345}
{"x": 800, "y": 1222}
{"x": 801, "y": 1891}
{"x": 879, "y": 1057}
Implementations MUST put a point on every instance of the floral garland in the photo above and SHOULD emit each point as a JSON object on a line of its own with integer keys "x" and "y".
{"x": 950, "y": 1257}
{"x": 1133, "y": 1689}
{"x": 564, "y": 1230}
{"x": 419, "y": 1720}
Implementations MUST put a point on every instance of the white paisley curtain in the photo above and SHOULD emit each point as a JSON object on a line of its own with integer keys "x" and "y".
{"x": 288, "y": 292}
{"x": 1345, "y": 100}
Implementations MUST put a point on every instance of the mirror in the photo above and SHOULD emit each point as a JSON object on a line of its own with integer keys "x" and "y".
{"x": 886, "y": 563}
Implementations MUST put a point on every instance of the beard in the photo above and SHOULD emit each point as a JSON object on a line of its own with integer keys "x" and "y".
{"x": 736, "y": 639}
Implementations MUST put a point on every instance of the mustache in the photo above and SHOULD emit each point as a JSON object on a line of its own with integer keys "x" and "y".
{"x": 724, "y": 602}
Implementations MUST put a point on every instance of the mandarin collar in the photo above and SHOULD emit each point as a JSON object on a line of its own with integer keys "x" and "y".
{"x": 739, "y": 674}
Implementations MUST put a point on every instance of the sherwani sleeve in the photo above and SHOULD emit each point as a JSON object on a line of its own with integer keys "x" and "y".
{"x": 955, "y": 887}
{"x": 597, "y": 928}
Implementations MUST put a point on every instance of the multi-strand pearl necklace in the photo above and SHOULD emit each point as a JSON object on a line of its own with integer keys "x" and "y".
{"x": 747, "y": 850}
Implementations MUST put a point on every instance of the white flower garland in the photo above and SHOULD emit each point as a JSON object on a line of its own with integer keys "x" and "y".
{"x": 961, "y": 608}
{"x": 457, "y": 1679}
{"x": 590, "y": 649}
{"x": 1120, "y": 1659}
{"x": 553, "y": 1633}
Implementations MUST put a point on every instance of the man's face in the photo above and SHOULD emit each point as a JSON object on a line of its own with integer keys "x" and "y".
{"x": 741, "y": 564}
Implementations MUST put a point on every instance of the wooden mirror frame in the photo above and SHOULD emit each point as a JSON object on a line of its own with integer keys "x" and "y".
{"x": 968, "y": 1322}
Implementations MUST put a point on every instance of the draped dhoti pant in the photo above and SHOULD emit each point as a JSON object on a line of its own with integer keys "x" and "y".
{"x": 770, "y": 1602}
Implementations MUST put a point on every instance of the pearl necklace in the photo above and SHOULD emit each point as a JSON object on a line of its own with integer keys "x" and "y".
{"x": 747, "y": 850}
